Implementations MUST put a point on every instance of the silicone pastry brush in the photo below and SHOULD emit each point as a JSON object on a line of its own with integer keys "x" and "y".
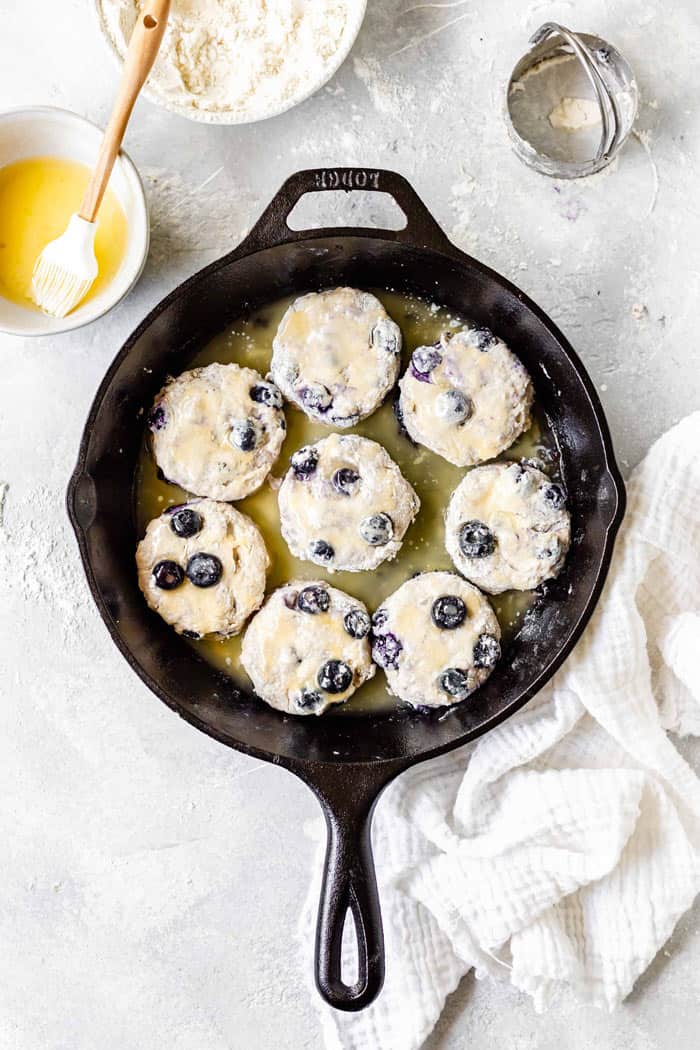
{"x": 65, "y": 270}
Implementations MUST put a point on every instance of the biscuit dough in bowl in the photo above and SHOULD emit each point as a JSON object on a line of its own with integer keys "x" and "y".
{"x": 308, "y": 648}
{"x": 234, "y": 61}
{"x": 437, "y": 639}
{"x": 344, "y": 504}
{"x": 216, "y": 431}
{"x": 467, "y": 398}
{"x": 202, "y": 567}
{"x": 507, "y": 527}
{"x": 336, "y": 355}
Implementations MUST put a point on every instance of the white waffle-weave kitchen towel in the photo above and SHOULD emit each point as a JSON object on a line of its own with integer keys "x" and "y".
{"x": 563, "y": 847}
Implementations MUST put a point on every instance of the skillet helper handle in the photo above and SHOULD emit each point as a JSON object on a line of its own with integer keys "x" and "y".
{"x": 140, "y": 55}
{"x": 420, "y": 230}
{"x": 349, "y": 887}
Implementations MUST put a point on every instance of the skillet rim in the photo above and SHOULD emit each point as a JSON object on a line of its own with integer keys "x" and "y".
{"x": 249, "y": 247}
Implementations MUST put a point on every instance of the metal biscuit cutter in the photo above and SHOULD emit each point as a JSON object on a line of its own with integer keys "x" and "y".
{"x": 558, "y": 57}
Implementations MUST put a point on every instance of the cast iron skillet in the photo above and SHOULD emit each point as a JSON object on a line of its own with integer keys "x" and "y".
{"x": 345, "y": 761}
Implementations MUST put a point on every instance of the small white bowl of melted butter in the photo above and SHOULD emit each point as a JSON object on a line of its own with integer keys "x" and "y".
{"x": 46, "y": 156}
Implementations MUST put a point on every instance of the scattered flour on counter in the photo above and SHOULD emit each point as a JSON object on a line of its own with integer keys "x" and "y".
{"x": 390, "y": 96}
{"x": 237, "y": 56}
{"x": 202, "y": 220}
{"x": 465, "y": 187}
{"x": 39, "y": 558}
{"x": 644, "y": 139}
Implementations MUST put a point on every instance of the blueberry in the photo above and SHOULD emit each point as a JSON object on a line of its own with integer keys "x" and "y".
{"x": 156, "y": 418}
{"x": 194, "y": 635}
{"x": 243, "y": 435}
{"x": 386, "y": 335}
{"x": 398, "y": 414}
{"x": 321, "y": 549}
{"x": 423, "y": 361}
{"x": 487, "y": 651}
{"x": 204, "y": 570}
{"x": 377, "y": 529}
{"x": 484, "y": 338}
{"x": 535, "y": 462}
{"x": 186, "y": 522}
{"x": 168, "y": 575}
{"x": 380, "y": 617}
{"x": 453, "y": 406}
{"x": 448, "y": 612}
{"x": 345, "y": 480}
{"x": 309, "y": 699}
{"x": 290, "y": 599}
{"x": 476, "y": 540}
{"x": 334, "y": 677}
{"x": 314, "y": 600}
{"x": 555, "y": 495}
{"x": 455, "y": 683}
{"x": 552, "y": 550}
{"x": 304, "y": 462}
{"x": 386, "y": 649}
{"x": 357, "y": 623}
{"x": 266, "y": 394}
{"x": 316, "y": 397}
{"x": 345, "y": 421}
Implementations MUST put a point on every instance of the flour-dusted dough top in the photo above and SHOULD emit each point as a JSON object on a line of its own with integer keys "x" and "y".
{"x": 336, "y": 355}
{"x": 334, "y": 513}
{"x": 507, "y": 527}
{"x": 238, "y": 57}
{"x": 217, "y": 430}
{"x": 468, "y": 398}
{"x": 417, "y": 653}
{"x": 308, "y": 648}
{"x": 232, "y": 538}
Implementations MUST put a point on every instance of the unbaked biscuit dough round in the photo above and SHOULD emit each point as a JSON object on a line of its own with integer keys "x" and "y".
{"x": 308, "y": 648}
{"x": 336, "y": 355}
{"x": 184, "y": 544}
{"x": 437, "y": 639}
{"x": 468, "y": 398}
{"x": 216, "y": 431}
{"x": 507, "y": 527}
{"x": 345, "y": 504}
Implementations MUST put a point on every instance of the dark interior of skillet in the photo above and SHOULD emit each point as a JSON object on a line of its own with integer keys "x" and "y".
{"x": 164, "y": 345}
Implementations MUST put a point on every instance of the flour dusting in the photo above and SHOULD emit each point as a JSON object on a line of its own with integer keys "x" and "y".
{"x": 38, "y": 559}
{"x": 390, "y": 96}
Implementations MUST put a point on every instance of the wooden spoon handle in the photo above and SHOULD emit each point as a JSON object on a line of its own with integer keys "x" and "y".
{"x": 140, "y": 56}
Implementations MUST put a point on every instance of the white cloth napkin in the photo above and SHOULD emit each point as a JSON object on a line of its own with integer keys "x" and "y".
{"x": 563, "y": 847}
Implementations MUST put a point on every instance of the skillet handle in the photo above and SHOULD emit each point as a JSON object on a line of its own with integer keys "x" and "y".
{"x": 420, "y": 230}
{"x": 348, "y": 795}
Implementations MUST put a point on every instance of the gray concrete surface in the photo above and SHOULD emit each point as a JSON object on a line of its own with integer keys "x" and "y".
{"x": 133, "y": 847}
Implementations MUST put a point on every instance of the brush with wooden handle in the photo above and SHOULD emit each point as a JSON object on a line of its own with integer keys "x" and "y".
{"x": 65, "y": 270}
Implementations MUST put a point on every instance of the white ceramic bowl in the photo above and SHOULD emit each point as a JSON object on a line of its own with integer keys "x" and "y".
{"x": 45, "y": 131}
{"x": 356, "y": 15}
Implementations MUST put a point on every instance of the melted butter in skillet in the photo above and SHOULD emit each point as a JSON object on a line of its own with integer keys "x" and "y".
{"x": 249, "y": 342}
